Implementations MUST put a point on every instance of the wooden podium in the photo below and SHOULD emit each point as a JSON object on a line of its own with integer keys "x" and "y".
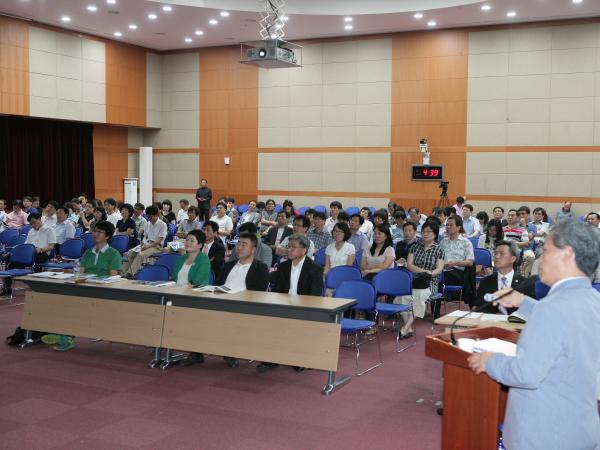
{"x": 473, "y": 404}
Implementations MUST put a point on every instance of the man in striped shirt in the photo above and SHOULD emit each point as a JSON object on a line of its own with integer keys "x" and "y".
{"x": 514, "y": 232}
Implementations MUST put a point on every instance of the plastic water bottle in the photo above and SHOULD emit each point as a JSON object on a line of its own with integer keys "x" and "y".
{"x": 501, "y": 440}
{"x": 76, "y": 269}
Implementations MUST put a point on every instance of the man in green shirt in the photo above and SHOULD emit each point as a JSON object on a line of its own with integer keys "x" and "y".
{"x": 102, "y": 260}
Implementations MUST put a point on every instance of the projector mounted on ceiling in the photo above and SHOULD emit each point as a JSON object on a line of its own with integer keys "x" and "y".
{"x": 272, "y": 51}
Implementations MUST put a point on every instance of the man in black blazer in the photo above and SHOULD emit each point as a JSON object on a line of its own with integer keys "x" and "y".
{"x": 278, "y": 233}
{"x": 505, "y": 255}
{"x": 214, "y": 247}
{"x": 298, "y": 275}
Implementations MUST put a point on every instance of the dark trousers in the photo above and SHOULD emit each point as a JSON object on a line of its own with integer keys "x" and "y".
{"x": 204, "y": 211}
{"x": 464, "y": 278}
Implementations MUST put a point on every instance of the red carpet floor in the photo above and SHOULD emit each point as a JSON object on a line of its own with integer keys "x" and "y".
{"x": 102, "y": 396}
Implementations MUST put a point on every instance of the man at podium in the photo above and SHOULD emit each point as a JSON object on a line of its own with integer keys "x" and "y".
{"x": 553, "y": 379}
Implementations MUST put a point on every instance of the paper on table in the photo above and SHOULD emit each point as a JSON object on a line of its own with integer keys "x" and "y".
{"x": 467, "y": 314}
{"x": 496, "y": 345}
{"x": 494, "y": 318}
{"x": 55, "y": 275}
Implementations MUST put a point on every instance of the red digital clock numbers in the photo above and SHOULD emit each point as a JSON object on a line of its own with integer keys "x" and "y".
{"x": 427, "y": 172}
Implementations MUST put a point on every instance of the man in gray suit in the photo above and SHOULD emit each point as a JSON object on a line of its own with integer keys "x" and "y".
{"x": 553, "y": 379}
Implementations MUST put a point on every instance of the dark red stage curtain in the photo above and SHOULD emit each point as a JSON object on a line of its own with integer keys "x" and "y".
{"x": 48, "y": 158}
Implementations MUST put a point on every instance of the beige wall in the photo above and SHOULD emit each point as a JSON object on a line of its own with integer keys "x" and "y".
{"x": 340, "y": 98}
{"x": 175, "y": 197}
{"x": 154, "y": 101}
{"x": 169, "y": 170}
{"x": 327, "y": 172}
{"x": 67, "y": 76}
{"x": 537, "y": 86}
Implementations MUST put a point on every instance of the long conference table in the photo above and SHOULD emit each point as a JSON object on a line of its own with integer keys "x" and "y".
{"x": 295, "y": 330}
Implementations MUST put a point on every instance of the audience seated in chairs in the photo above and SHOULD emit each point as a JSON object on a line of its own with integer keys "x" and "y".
{"x": 166, "y": 212}
{"x": 334, "y": 209}
{"x": 340, "y": 252}
{"x": 182, "y": 214}
{"x": 515, "y": 232}
{"x": 232, "y": 211}
{"x": 126, "y": 224}
{"x": 214, "y": 247}
{"x": 593, "y": 219}
{"x": 459, "y": 259}
{"x": 367, "y": 226}
{"x": 493, "y": 234}
{"x": 193, "y": 266}
{"x": 112, "y": 212}
{"x": 397, "y": 229}
{"x": 27, "y": 205}
{"x": 471, "y": 224}
{"x": 317, "y": 233}
{"x": 64, "y": 228}
{"x": 381, "y": 255}
{"x": 263, "y": 253}
{"x": 188, "y": 224}
{"x": 498, "y": 214}
{"x": 357, "y": 237}
{"x": 403, "y": 247}
{"x": 301, "y": 226}
{"x": 251, "y": 215}
{"x": 155, "y": 233}
{"x": 298, "y": 275}
{"x": 2, "y": 214}
{"x": 541, "y": 230}
{"x": 86, "y": 216}
{"x": 139, "y": 219}
{"x": 426, "y": 262}
{"x": 223, "y": 221}
{"x": 280, "y": 231}
{"x": 102, "y": 260}
{"x": 268, "y": 217}
{"x": 17, "y": 217}
{"x": 415, "y": 217}
{"x": 505, "y": 255}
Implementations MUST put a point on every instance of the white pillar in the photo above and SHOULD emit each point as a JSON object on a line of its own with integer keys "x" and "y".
{"x": 146, "y": 175}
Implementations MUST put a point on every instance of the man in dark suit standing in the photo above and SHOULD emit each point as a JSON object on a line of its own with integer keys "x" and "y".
{"x": 213, "y": 247}
{"x": 298, "y": 275}
{"x": 204, "y": 196}
{"x": 505, "y": 255}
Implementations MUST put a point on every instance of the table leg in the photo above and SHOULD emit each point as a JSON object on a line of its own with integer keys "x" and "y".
{"x": 29, "y": 341}
{"x": 333, "y": 384}
{"x": 171, "y": 360}
{"x": 157, "y": 360}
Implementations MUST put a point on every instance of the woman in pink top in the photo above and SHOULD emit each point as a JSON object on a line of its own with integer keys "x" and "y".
{"x": 381, "y": 254}
{"x": 17, "y": 218}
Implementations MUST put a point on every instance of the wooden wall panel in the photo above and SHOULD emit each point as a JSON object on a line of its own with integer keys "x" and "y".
{"x": 14, "y": 67}
{"x": 110, "y": 160}
{"x": 228, "y": 123}
{"x": 125, "y": 84}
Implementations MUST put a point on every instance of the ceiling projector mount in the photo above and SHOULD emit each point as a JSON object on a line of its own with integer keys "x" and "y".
{"x": 272, "y": 51}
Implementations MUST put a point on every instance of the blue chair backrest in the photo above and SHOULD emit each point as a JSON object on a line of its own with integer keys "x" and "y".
{"x": 360, "y": 290}
{"x": 393, "y": 282}
{"x": 78, "y": 232}
{"x": 339, "y": 274}
{"x": 88, "y": 240}
{"x": 17, "y": 240}
{"x": 72, "y": 248}
{"x": 23, "y": 255}
{"x": 119, "y": 242}
{"x": 211, "y": 280}
{"x": 302, "y": 210}
{"x": 320, "y": 256}
{"x": 171, "y": 231}
{"x": 596, "y": 286}
{"x": 243, "y": 208}
{"x": 357, "y": 258}
{"x": 541, "y": 289}
{"x": 153, "y": 272}
{"x": 278, "y": 208}
{"x": 474, "y": 241}
{"x": 483, "y": 257}
{"x": 168, "y": 260}
{"x": 25, "y": 229}
{"x": 581, "y": 219}
{"x": 372, "y": 211}
{"x": 8, "y": 234}
{"x": 321, "y": 208}
{"x": 350, "y": 210}
{"x": 550, "y": 220}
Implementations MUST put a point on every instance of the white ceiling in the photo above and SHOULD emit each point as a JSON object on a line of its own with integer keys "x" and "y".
{"x": 307, "y": 18}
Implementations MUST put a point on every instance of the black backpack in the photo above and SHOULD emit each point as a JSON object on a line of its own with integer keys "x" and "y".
{"x": 18, "y": 337}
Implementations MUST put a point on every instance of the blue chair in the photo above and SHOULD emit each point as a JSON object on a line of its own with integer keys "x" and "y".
{"x": 320, "y": 256}
{"x": 17, "y": 240}
{"x": 449, "y": 289}
{"x": 541, "y": 289}
{"x": 550, "y": 220}
{"x": 7, "y": 235}
{"x": 474, "y": 241}
{"x": 339, "y": 274}
{"x": 78, "y": 232}
{"x": 596, "y": 286}
{"x": 155, "y": 272}
{"x": 23, "y": 255}
{"x": 483, "y": 257}
{"x": 70, "y": 250}
{"x": 25, "y": 229}
{"x": 372, "y": 211}
{"x": 302, "y": 210}
{"x": 365, "y": 295}
{"x": 351, "y": 210}
{"x": 395, "y": 282}
{"x": 211, "y": 280}
{"x": 88, "y": 241}
{"x": 278, "y": 208}
{"x": 171, "y": 231}
{"x": 168, "y": 260}
{"x": 321, "y": 208}
{"x": 357, "y": 258}
{"x": 243, "y": 208}
{"x": 120, "y": 243}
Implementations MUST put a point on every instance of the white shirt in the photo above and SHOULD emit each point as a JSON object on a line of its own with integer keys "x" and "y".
{"x": 41, "y": 238}
{"x": 509, "y": 277}
{"x": 295, "y": 276}
{"x": 237, "y": 277}
{"x": 153, "y": 232}
{"x": 113, "y": 218}
{"x": 286, "y": 243}
{"x": 225, "y": 224}
{"x": 182, "y": 276}
{"x": 367, "y": 229}
{"x": 279, "y": 235}
{"x": 64, "y": 230}
{"x": 207, "y": 246}
{"x": 49, "y": 221}
{"x": 339, "y": 257}
{"x": 182, "y": 215}
{"x": 329, "y": 224}
{"x": 97, "y": 253}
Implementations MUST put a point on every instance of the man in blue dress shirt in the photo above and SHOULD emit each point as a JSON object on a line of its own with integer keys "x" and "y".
{"x": 553, "y": 379}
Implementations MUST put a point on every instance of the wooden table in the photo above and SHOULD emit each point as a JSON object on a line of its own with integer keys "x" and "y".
{"x": 467, "y": 322}
{"x": 294, "y": 330}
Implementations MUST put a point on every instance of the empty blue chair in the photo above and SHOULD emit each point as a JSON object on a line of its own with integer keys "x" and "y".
{"x": 541, "y": 289}
{"x": 372, "y": 211}
{"x": 321, "y": 208}
{"x": 155, "y": 272}
{"x": 339, "y": 274}
{"x": 88, "y": 241}
{"x": 596, "y": 286}
{"x": 25, "y": 229}
{"x": 23, "y": 255}
{"x": 119, "y": 242}
{"x": 352, "y": 210}
{"x": 168, "y": 260}
{"x": 365, "y": 295}
{"x": 17, "y": 240}
{"x": 70, "y": 250}
{"x": 320, "y": 256}
{"x": 302, "y": 210}
{"x": 78, "y": 232}
{"x": 396, "y": 283}
{"x": 449, "y": 289}
{"x": 7, "y": 235}
{"x": 243, "y": 208}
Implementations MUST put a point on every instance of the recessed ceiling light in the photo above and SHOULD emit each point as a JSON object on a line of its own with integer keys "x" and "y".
{"x": 347, "y": 27}
{"x": 285, "y": 18}
{"x": 485, "y": 7}
{"x": 111, "y": 2}
{"x": 91, "y": 8}
{"x": 198, "y": 32}
{"x": 347, "y": 19}
{"x": 431, "y": 23}
{"x": 118, "y": 34}
{"x": 167, "y": 8}
{"x": 152, "y": 16}
{"x": 577, "y": 1}
{"x": 224, "y": 13}
{"x": 418, "y": 15}
{"x": 65, "y": 18}
{"x": 511, "y": 14}
{"x": 188, "y": 40}
{"x": 213, "y": 21}
{"x": 273, "y": 36}
{"x": 132, "y": 26}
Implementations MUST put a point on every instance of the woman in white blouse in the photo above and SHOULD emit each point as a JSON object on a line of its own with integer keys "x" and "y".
{"x": 340, "y": 252}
